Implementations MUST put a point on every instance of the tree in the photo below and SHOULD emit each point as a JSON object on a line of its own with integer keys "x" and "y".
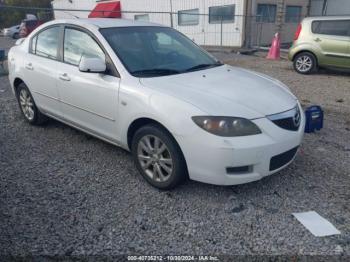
{"x": 10, "y": 16}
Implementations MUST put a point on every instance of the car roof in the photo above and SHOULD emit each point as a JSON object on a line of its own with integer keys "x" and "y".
{"x": 104, "y": 22}
{"x": 311, "y": 18}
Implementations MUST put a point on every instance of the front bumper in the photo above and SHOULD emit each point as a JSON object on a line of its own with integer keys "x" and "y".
{"x": 7, "y": 33}
{"x": 208, "y": 157}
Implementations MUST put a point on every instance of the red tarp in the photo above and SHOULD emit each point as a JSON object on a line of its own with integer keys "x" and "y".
{"x": 106, "y": 10}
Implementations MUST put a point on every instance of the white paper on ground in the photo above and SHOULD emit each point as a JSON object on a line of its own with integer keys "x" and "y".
{"x": 316, "y": 224}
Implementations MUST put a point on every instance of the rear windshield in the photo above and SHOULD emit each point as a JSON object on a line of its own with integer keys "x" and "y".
{"x": 332, "y": 27}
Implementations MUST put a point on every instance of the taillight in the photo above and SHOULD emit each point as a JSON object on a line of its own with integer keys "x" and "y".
{"x": 297, "y": 32}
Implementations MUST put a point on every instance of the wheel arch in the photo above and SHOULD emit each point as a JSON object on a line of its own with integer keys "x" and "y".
{"x": 140, "y": 122}
{"x": 143, "y": 121}
{"x": 16, "y": 82}
{"x": 305, "y": 51}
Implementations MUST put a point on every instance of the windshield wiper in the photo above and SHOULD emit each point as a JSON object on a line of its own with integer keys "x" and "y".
{"x": 155, "y": 72}
{"x": 203, "y": 66}
{"x": 167, "y": 71}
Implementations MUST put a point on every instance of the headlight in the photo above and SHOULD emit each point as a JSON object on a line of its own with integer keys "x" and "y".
{"x": 227, "y": 126}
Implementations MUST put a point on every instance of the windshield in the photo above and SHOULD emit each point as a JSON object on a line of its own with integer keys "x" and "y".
{"x": 150, "y": 51}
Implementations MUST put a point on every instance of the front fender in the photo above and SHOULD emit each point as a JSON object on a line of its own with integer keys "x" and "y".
{"x": 174, "y": 114}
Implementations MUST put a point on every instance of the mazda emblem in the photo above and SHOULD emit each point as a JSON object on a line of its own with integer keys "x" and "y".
{"x": 296, "y": 117}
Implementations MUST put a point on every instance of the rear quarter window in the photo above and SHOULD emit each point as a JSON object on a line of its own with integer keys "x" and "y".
{"x": 46, "y": 43}
{"x": 331, "y": 27}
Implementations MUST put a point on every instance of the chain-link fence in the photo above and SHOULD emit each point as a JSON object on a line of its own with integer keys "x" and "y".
{"x": 229, "y": 30}
{"x": 13, "y": 15}
{"x": 261, "y": 33}
{"x": 204, "y": 29}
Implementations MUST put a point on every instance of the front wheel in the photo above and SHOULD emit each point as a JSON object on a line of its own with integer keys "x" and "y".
{"x": 158, "y": 157}
{"x": 305, "y": 63}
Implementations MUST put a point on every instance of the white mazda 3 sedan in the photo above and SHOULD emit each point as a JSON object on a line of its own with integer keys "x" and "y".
{"x": 150, "y": 90}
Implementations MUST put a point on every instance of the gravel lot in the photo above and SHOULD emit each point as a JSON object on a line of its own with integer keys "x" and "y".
{"x": 65, "y": 193}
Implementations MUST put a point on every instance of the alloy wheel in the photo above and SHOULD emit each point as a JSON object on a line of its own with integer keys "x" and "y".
{"x": 27, "y": 104}
{"x": 304, "y": 64}
{"x": 155, "y": 158}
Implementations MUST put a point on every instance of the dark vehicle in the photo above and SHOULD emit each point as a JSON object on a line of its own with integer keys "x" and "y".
{"x": 27, "y": 26}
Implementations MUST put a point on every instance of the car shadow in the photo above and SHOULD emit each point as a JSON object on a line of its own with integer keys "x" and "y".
{"x": 80, "y": 135}
{"x": 334, "y": 72}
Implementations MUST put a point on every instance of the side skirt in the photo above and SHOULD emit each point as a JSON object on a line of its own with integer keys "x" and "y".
{"x": 87, "y": 131}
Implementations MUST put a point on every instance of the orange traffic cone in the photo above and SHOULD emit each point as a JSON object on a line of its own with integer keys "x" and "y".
{"x": 275, "y": 50}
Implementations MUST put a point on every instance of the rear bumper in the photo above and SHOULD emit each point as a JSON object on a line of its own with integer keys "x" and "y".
{"x": 291, "y": 53}
{"x": 209, "y": 158}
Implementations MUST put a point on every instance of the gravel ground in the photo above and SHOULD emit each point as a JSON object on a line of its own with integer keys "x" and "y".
{"x": 65, "y": 193}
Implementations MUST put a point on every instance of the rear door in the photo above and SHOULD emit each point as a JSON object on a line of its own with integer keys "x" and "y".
{"x": 333, "y": 38}
{"x": 41, "y": 69}
{"x": 88, "y": 100}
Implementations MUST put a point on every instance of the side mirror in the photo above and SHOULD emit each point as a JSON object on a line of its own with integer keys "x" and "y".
{"x": 92, "y": 65}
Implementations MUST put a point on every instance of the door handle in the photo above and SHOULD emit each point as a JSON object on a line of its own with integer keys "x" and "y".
{"x": 29, "y": 66}
{"x": 64, "y": 77}
{"x": 318, "y": 40}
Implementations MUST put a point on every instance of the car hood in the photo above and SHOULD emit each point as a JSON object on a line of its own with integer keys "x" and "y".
{"x": 227, "y": 91}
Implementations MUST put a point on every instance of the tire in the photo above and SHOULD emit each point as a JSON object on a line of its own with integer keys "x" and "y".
{"x": 15, "y": 36}
{"x": 28, "y": 107}
{"x": 168, "y": 159}
{"x": 305, "y": 63}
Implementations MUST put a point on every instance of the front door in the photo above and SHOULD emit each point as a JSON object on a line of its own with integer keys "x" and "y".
{"x": 88, "y": 100}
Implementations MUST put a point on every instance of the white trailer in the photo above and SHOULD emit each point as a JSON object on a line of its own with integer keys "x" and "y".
{"x": 200, "y": 20}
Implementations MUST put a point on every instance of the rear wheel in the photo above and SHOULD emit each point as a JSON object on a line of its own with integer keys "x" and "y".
{"x": 158, "y": 157}
{"x": 27, "y": 105}
{"x": 305, "y": 63}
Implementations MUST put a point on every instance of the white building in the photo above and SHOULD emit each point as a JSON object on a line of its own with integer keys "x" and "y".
{"x": 207, "y": 22}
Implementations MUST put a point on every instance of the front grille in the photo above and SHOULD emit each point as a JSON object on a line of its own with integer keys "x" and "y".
{"x": 289, "y": 120}
{"x": 286, "y": 123}
{"x": 282, "y": 159}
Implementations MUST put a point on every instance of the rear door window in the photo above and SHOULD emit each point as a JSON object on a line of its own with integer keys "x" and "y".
{"x": 332, "y": 27}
